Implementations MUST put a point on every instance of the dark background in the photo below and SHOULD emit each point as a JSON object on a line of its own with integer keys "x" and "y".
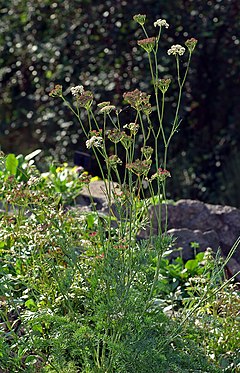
{"x": 94, "y": 43}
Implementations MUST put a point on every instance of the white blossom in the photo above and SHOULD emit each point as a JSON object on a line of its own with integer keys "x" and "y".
{"x": 176, "y": 49}
{"x": 96, "y": 141}
{"x": 106, "y": 109}
{"x": 78, "y": 90}
{"x": 161, "y": 23}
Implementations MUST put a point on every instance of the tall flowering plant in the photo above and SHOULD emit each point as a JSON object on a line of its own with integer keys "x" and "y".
{"x": 121, "y": 259}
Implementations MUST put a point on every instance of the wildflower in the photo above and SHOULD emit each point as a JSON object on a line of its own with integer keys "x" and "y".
{"x": 208, "y": 255}
{"x": 140, "y": 18}
{"x": 139, "y": 167}
{"x": 161, "y": 175}
{"x": 126, "y": 140}
{"x": 85, "y": 243}
{"x": 113, "y": 161}
{"x": 93, "y": 234}
{"x": 133, "y": 127}
{"x": 95, "y": 132}
{"x": 163, "y": 84}
{"x": 107, "y": 109}
{"x": 114, "y": 135}
{"x": 56, "y": 91}
{"x": 147, "y": 44}
{"x": 138, "y": 100}
{"x": 96, "y": 141}
{"x": 161, "y": 23}
{"x": 102, "y": 104}
{"x": 176, "y": 49}
{"x": 77, "y": 91}
{"x": 191, "y": 44}
{"x": 147, "y": 151}
{"x": 85, "y": 99}
{"x": 85, "y": 178}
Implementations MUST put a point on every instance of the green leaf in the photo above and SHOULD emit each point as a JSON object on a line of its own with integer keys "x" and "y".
{"x": 11, "y": 164}
{"x": 31, "y": 305}
{"x": 200, "y": 256}
{"x": 90, "y": 221}
{"x": 191, "y": 264}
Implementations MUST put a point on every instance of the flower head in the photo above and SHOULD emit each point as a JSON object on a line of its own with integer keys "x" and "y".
{"x": 133, "y": 127}
{"x": 96, "y": 133}
{"x": 140, "y": 18}
{"x": 85, "y": 178}
{"x": 56, "y": 91}
{"x": 113, "y": 161}
{"x": 94, "y": 141}
{"x": 147, "y": 151}
{"x": 161, "y": 23}
{"x": 176, "y": 49}
{"x": 103, "y": 104}
{"x": 191, "y": 44}
{"x": 115, "y": 135}
{"x": 138, "y": 100}
{"x": 126, "y": 140}
{"x": 107, "y": 109}
{"x": 85, "y": 99}
{"x": 147, "y": 44}
{"x": 163, "y": 84}
{"x": 161, "y": 175}
{"x": 139, "y": 167}
{"x": 77, "y": 91}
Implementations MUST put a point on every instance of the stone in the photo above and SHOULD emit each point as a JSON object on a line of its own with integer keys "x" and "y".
{"x": 189, "y": 221}
{"x": 233, "y": 268}
{"x": 97, "y": 195}
{"x": 195, "y": 215}
{"x": 184, "y": 238}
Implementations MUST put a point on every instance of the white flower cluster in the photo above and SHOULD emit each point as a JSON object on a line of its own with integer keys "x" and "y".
{"x": 176, "y": 49}
{"x": 96, "y": 141}
{"x": 161, "y": 23}
{"x": 78, "y": 90}
{"x": 106, "y": 109}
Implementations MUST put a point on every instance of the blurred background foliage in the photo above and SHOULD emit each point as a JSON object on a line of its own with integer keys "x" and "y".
{"x": 94, "y": 43}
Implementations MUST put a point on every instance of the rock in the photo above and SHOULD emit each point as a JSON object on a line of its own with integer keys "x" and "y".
{"x": 224, "y": 221}
{"x": 189, "y": 221}
{"x": 97, "y": 194}
{"x": 233, "y": 267}
{"x": 184, "y": 238}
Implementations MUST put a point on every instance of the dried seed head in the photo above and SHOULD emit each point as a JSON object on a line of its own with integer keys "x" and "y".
{"x": 191, "y": 44}
{"x": 140, "y": 18}
{"x": 147, "y": 44}
{"x": 85, "y": 99}
{"x": 147, "y": 151}
{"x": 113, "y": 161}
{"x": 115, "y": 135}
{"x": 126, "y": 140}
{"x": 138, "y": 100}
{"x": 133, "y": 127}
{"x": 103, "y": 104}
{"x": 139, "y": 167}
{"x": 163, "y": 84}
{"x": 56, "y": 91}
{"x": 161, "y": 175}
